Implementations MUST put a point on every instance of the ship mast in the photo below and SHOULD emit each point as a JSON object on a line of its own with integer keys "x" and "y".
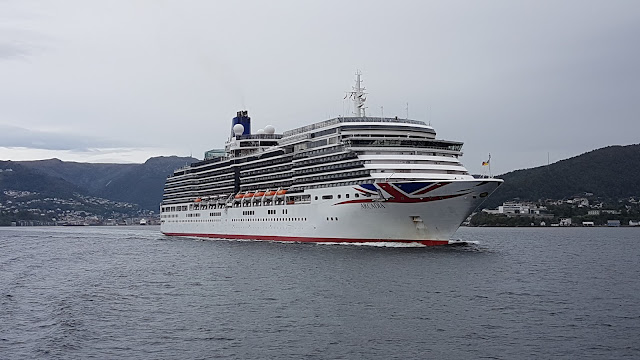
{"x": 358, "y": 97}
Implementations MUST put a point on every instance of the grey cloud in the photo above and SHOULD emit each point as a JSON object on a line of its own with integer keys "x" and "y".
{"x": 12, "y": 51}
{"x": 520, "y": 82}
{"x": 13, "y": 136}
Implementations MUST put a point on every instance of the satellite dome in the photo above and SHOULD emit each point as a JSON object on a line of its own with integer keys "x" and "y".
{"x": 238, "y": 129}
{"x": 269, "y": 129}
{"x": 260, "y": 131}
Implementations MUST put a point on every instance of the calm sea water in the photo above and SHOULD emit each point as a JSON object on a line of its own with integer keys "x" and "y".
{"x": 129, "y": 292}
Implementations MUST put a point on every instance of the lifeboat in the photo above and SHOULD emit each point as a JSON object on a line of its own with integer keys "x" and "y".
{"x": 270, "y": 193}
{"x": 281, "y": 192}
{"x": 239, "y": 196}
{"x": 259, "y": 194}
{"x": 248, "y": 195}
{"x": 197, "y": 200}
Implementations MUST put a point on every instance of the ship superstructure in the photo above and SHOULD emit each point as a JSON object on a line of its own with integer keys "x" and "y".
{"x": 346, "y": 179}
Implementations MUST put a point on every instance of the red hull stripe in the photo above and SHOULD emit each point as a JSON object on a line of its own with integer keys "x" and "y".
{"x": 308, "y": 239}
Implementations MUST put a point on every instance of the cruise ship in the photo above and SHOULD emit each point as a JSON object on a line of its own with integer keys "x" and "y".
{"x": 356, "y": 179}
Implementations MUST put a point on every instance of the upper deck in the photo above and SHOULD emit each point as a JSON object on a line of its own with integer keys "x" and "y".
{"x": 355, "y": 119}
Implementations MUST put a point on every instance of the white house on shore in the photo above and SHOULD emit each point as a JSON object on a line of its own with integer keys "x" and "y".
{"x": 517, "y": 208}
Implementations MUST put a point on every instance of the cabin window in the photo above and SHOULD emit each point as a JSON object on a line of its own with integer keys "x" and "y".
{"x": 327, "y": 197}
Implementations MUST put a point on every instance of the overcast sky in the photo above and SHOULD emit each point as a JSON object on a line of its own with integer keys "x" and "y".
{"x": 120, "y": 81}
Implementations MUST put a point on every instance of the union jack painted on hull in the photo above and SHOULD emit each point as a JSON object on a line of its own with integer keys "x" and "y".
{"x": 402, "y": 192}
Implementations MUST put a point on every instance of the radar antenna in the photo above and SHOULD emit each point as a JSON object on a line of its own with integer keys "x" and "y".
{"x": 358, "y": 97}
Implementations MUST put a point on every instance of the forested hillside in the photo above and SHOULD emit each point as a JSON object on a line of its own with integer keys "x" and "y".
{"x": 612, "y": 172}
{"x": 140, "y": 184}
{"x": 143, "y": 184}
{"x": 14, "y": 176}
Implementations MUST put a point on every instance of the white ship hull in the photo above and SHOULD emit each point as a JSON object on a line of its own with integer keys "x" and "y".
{"x": 424, "y": 212}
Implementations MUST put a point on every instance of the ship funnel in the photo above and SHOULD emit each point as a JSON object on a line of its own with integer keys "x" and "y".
{"x": 242, "y": 118}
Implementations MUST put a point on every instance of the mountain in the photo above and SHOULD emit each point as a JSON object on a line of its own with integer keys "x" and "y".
{"x": 14, "y": 176}
{"x": 143, "y": 184}
{"x": 612, "y": 172}
{"x": 140, "y": 184}
{"x": 90, "y": 177}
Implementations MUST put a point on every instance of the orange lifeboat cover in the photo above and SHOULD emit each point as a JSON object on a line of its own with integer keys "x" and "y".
{"x": 248, "y": 195}
{"x": 281, "y": 192}
{"x": 198, "y": 200}
{"x": 270, "y": 193}
{"x": 239, "y": 196}
{"x": 259, "y": 193}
